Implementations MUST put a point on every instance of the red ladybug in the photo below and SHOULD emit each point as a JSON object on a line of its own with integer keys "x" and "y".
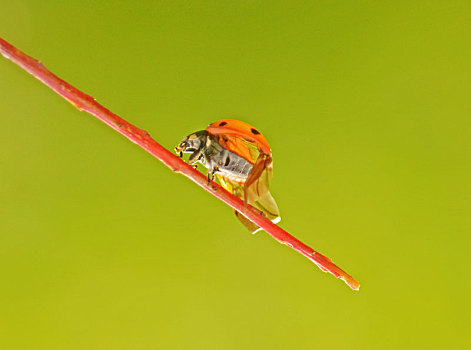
{"x": 240, "y": 157}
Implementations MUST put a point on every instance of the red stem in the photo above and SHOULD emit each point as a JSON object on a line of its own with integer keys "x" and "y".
{"x": 140, "y": 137}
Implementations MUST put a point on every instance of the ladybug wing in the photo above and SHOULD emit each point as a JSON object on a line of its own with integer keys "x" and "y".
{"x": 247, "y": 142}
{"x": 236, "y": 190}
{"x": 237, "y": 128}
{"x": 256, "y": 192}
{"x": 264, "y": 203}
{"x": 247, "y": 223}
{"x": 256, "y": 188}
{"x": 242, "y": 147}
{"x": 256, "y": 184}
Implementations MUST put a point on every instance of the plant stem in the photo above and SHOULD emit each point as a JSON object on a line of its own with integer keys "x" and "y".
{"x": 142, "y": 138}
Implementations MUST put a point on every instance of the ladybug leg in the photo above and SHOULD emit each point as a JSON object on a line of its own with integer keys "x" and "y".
{"x": 211, "y": 174}
{"x": 194, "y": 157}
{"x": 216, "y": 169}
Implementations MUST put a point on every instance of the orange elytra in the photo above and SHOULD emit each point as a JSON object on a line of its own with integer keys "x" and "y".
{"x": 241, "y": 129}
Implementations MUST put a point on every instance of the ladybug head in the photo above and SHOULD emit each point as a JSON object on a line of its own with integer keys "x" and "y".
{"x": 192, "y": 143}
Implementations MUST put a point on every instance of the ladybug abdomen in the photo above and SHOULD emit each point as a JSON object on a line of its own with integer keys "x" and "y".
{"x": 228, "y": 164}
{"x": 235, "y": 168}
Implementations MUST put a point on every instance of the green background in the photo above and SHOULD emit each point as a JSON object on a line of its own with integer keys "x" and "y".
{"x": 366, "y": 105}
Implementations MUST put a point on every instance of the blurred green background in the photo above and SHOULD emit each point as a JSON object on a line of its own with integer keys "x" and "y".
{"x": 366, "y": 105}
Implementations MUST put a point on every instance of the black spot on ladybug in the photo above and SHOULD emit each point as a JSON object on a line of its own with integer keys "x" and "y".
{"x": 222, "y": 123}
{"x": 226, "y": 163}
{"x": 255, "y": 131}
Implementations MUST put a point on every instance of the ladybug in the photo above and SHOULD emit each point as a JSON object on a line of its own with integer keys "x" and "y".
{"x": 239, "y": 156}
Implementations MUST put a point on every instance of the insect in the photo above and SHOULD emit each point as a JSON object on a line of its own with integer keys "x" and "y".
{"x": 239, "y": 156}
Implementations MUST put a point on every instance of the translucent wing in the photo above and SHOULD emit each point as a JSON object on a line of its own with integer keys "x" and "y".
{"x": 256, "y": 194}
{"x": 256, "y": 184}
{"x": 255, "y": 191}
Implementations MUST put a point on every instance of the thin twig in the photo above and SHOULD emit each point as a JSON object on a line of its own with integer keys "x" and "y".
{"x": 140, "y": 137}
